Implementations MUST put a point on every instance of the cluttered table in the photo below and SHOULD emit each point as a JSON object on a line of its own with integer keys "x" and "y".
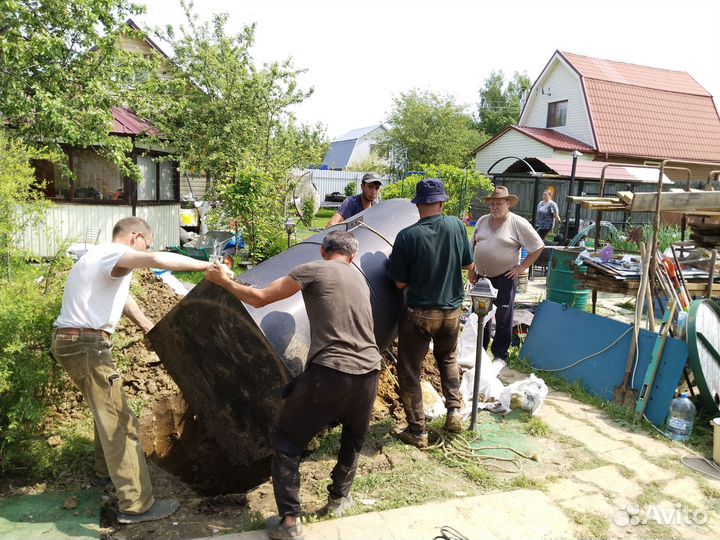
{"x": 621, "y": 273}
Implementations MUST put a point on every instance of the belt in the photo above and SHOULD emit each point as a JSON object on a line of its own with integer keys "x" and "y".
{"x": 79, "y": 332}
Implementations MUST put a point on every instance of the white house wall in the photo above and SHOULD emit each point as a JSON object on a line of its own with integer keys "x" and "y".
{"x": 71, "y": 223}
{"x": 559, "y": 83}
{"x": 512, "y": 143}
{"x": 164, "y": 221}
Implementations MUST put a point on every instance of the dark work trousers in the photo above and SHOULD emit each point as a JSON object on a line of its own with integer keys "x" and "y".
{"x": 505, "y": 304}
{"x": 417, "y": 327}
{"x": 320, "y": 397}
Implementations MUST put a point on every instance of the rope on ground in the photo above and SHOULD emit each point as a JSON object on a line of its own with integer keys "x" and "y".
{"x": 459, "y": 450}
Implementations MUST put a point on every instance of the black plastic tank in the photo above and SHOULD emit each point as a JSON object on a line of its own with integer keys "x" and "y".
{"x": 231, "y": 361}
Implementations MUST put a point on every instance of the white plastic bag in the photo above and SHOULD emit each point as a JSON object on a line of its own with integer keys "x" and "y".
{"x": 468, "y": 342}
{"x": 433, "y": 404}
{"x": 529, "y": 394}
{"x": 489, "y": 387}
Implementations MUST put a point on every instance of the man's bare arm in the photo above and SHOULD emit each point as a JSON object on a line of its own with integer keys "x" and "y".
{"x": 133, "y": 312}
{"x": 334, "y": 220}
{"x": 161, "y": 259}
{"x": 277, "y": 290}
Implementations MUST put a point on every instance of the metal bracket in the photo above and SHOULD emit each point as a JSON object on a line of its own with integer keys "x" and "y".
{"x": 353, "y": 223}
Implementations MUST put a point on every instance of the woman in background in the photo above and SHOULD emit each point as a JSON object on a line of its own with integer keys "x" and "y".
{"x": 547, "y": 214}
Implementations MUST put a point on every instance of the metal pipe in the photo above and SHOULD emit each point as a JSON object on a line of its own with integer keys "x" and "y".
{"x": 575, "y": 156}
{"x": 476, "y": 378}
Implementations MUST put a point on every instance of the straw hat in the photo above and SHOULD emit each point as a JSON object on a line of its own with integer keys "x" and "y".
{"x": 501, "y": 192}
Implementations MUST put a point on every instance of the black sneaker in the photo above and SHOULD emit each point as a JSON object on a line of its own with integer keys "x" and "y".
{"x": 336, "y": 507}
{"x": 101, "y": 482}
{"x": 161, "y": 509}
{"x": 418, "y": 440}
{"x": 277, "y": 531}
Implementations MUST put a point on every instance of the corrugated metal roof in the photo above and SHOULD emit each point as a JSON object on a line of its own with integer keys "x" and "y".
{"x": 126, "y": 122}
{"x": 648, "y": 112}
{"x": 554, "y": 139}
{"x": 338, "y": 155}
{"x": 357, "y": 133}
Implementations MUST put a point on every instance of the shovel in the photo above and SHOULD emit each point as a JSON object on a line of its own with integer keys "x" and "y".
{"x": 625, "y": 395}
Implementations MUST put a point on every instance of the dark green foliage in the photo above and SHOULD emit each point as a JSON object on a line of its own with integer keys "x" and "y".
{"x": 430, "y": 128}
{"x": 500, "y": 104}
{"x": 29, "y": 379}
{"x": 61, "y": 70}
{"x": 461, "y": 185}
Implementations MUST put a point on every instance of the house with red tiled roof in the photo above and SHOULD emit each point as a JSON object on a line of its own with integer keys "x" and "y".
{"x": 611, "y": 111}
{"x": 87, "y": 205}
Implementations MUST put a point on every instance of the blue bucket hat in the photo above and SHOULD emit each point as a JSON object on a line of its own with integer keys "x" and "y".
{"x": 430, "y": 190}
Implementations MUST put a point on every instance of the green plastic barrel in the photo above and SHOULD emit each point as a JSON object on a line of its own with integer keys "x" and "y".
{"x": 562, "y": 284}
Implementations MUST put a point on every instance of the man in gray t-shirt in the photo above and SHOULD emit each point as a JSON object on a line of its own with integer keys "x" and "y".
{"x": 340, "y": 378}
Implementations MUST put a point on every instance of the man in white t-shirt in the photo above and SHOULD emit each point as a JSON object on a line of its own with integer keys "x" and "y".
{"x": 96, "y": 296}
{"x": 496, "y": 246}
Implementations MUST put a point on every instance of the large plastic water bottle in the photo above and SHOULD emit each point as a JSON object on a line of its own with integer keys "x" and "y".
{"x": 680, "y": 418}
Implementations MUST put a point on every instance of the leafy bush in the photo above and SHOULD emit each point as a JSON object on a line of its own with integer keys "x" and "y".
{"x": 628, "y": 240}
{"x": 461, "y": 186}
{"x": 307, "y": 210}
{"x": 256, "y": 200}
{"x": 350, "y": 189}
{"x": 28, "y": 376}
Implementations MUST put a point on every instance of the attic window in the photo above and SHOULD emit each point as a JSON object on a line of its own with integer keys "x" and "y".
{"x": 557, "y": 114}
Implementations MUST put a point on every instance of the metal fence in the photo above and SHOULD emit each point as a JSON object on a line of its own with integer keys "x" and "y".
{"x": 530, "y": 193}
{"x": 335, "y": 181}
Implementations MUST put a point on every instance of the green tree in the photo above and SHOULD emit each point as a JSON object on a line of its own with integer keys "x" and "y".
{"x": 461, "y": 186}
{"x": 231, "y": 119}
{"x": 431, "y": 128}
{"x": 222, "y": 112}
{"x": 500, "y": 103}
{"x": 21, "y": 204}
{"x": 61, "y": 71}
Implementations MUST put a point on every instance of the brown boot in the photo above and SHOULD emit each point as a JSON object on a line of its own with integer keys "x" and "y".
{"x": 453, "y": 421}
{"x": 418, "y": 440}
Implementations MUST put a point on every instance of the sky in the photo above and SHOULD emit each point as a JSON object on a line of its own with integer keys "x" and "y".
{"x": 359, "y": 55}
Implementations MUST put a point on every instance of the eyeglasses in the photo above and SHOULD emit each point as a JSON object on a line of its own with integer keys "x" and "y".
{"x": 148, "y": 245}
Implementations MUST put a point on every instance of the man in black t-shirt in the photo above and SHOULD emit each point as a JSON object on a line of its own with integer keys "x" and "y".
{"x": 427, "y": 259}
{"x": 340, "y": 379}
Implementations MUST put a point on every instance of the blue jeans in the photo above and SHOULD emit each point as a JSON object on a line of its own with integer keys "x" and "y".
{"x": 505, "y": 304}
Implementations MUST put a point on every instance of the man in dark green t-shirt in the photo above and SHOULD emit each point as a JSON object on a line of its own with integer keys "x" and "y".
{"x": 427, "y": 259}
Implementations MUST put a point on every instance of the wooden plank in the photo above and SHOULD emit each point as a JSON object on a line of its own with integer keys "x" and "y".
{"x": 605, "y": 206}
{"x": 686, "y": 201}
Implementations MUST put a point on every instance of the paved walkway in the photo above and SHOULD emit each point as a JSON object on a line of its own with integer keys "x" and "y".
{"x": 622, "y": 485}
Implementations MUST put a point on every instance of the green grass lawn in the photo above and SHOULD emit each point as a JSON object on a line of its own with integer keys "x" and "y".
{"x": 319, "y": 221}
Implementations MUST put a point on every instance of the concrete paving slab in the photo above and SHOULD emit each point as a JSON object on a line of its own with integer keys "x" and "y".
{"x": 688, "y": 490}
{"x": 637, "y": 462}
{"x": 595, "y": 503}
{"x": 515, "y": 514}
{"x": 567, "y": 488}
{"x": 610, "y": 480}
{"x": 596, "y": 441}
